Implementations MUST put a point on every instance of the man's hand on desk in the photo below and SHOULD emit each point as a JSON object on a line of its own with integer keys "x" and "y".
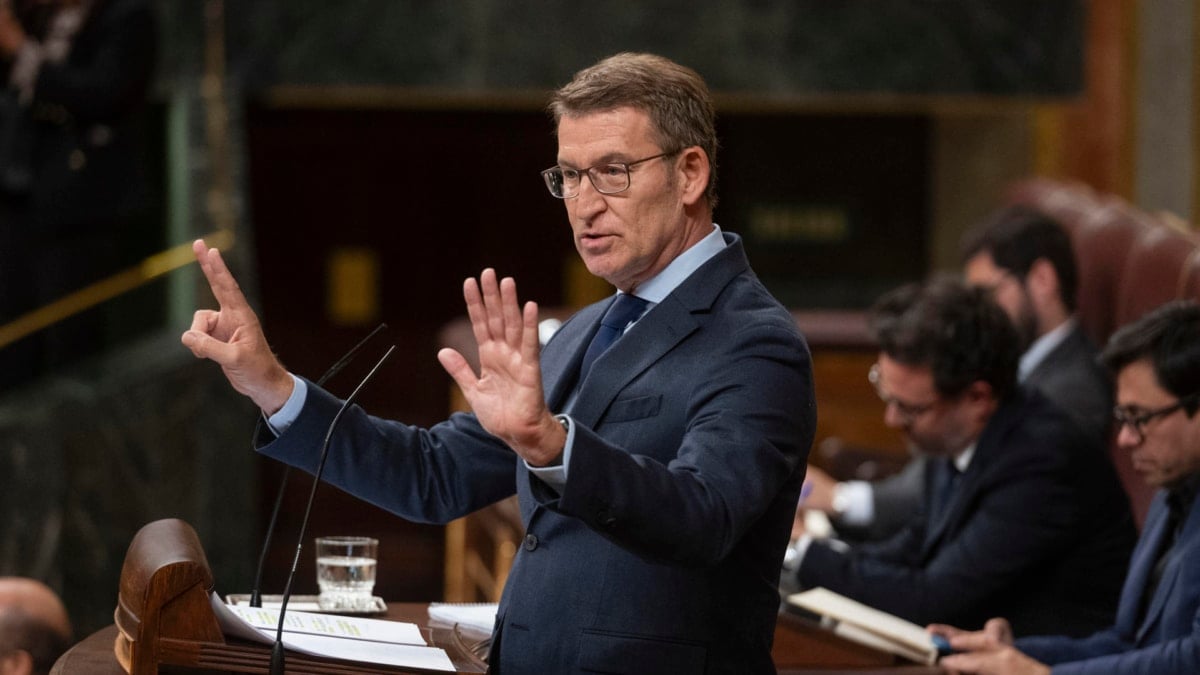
{"x": 996, "y": 633}
{"x": 1003, "y": 661}
{"x": 986, "y": 652}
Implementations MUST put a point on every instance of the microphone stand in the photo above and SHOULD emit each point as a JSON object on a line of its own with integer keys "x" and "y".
{"x": 255, "y": 593}
{"x": 277, "y": 659}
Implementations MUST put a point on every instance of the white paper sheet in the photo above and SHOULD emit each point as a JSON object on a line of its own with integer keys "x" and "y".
{"x": 480, "y": 616}
{"x": 340, "y": 637}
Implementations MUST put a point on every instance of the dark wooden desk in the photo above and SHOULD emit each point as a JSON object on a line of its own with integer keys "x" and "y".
{"x": 796, "y": 642}
{"x": 95, "y": 655}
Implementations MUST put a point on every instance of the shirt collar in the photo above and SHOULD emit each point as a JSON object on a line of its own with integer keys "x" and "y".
{"x": 1041, "y": 348}
{"x": 678, "y": 270}
{"x": 963, "y": 459}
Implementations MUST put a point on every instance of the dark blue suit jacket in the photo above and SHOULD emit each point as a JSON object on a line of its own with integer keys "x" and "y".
{"x": 1039, "y": 531}
{"x": 662, "y": 554}
{"x": 1168, "y": 640}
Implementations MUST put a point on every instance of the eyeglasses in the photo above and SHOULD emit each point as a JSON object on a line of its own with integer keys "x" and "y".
{"x": 608, "y": 178}
{"x": 909, "y": 412}
{"x": 1137, "y": 419}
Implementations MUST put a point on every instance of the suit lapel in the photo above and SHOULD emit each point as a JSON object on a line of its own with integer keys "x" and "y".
{"x": 1170, "y": 572}
{"x": 996, "y": 430}
{"x": 562, "y": 357}
{"x": 1141, "y": 564}
{"x": 658, "y": 332}
{"x": 1058, "y": 358}
{"x": 655, "y": 334}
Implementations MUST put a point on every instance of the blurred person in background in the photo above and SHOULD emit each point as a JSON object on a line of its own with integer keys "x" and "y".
{"x": 34, "y": 627}
{"x": 72, "y": 178}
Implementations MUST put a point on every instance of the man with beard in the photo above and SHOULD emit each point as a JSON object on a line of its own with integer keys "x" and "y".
{"x": 1019, "y": 513}
{"x": 1025, "y": 259}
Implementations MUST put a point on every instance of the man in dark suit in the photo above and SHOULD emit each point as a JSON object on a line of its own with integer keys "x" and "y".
{"x": 1019, "y": 514}
{"x": 1026, "y": 260}
{"x": 658, "y": 503}
{"x": 1156, "y": 361}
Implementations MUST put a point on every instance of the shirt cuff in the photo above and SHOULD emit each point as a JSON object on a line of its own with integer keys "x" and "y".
{"x": 280, "y": 421}
{"x": 854, "y": 503}
{"x": 556, "y": 475}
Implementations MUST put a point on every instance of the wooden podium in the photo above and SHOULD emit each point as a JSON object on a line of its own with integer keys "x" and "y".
{"x": 164, "y": 619}
{"x": 164, "y": 623}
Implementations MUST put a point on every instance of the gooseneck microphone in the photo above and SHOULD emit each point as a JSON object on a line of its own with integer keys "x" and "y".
{"x": 277, "y": 649}
{"x": 255, "y": 592}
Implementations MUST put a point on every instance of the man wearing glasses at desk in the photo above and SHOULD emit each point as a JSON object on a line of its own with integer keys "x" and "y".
{"x": 657, "y": 504}
{"x": 1156, "y": 361}
{"x": 1023, "y": 510}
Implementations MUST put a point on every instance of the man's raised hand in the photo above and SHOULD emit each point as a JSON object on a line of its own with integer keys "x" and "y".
{"x": 232, "y": 337}
{"x": 507, "y": 395}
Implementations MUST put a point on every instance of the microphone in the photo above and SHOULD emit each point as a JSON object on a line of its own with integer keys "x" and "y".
{"x": 255, "y": 594}
{"x": 277, "y": 649}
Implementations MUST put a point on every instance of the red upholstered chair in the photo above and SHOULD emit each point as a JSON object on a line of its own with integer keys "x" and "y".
{"x": 1158, "y": 266}
{"x": 1155, "y": 270}
{"x": 1129, "y": 263}
{"x": 1102, "y": 242}
{"x": 1102, "y": 229}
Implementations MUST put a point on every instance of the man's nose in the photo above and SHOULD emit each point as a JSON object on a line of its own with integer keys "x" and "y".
{"x": 589, "y": 199}
{"x": 1127, "y": 437}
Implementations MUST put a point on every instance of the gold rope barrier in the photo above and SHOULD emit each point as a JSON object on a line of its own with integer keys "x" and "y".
{"x": 122, "y": 282}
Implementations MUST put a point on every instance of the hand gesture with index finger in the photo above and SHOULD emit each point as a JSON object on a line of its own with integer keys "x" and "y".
{"x": 232, "y": 337}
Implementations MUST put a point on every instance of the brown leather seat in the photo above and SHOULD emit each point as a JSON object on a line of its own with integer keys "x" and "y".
{"x": 1129, "y": 263}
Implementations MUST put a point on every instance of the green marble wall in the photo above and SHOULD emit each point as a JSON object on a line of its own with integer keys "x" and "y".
{"x": 1015, "y": 47}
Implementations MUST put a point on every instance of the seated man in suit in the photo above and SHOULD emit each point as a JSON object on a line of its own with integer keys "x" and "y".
{"x": 657, "y": 503}
{"x": 1021, "y": 513}
{"x": 1026, "y": 260}
{"x": 34, "y": 627}
{"x": 1156, "y": 361}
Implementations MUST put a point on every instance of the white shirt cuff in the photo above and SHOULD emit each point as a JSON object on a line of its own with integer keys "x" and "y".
{"x": 854, "y": 502}
{"x": 556, "y": 476}
{"x": 280, "y": 421}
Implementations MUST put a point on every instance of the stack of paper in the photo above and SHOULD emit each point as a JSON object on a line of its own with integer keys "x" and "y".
{"x": 478, "y": 616}
{"x": 340, "y": 637}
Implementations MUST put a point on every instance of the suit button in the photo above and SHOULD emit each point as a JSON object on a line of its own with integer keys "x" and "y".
{"x": 606, "y": 518}
{"x": 531, "y": 542}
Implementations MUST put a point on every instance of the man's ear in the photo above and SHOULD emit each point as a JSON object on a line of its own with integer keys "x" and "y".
{"x": 980, "y": 396}
{"x": 16, "y": 662}
{"x": 695, "y": 168}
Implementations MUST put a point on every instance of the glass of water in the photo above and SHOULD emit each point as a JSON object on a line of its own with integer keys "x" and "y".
{"x": 346, "y": 572}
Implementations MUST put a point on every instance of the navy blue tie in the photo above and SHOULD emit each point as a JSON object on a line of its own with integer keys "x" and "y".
{"x": 946, "y": 481}
{"x": 624, "y": 310}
